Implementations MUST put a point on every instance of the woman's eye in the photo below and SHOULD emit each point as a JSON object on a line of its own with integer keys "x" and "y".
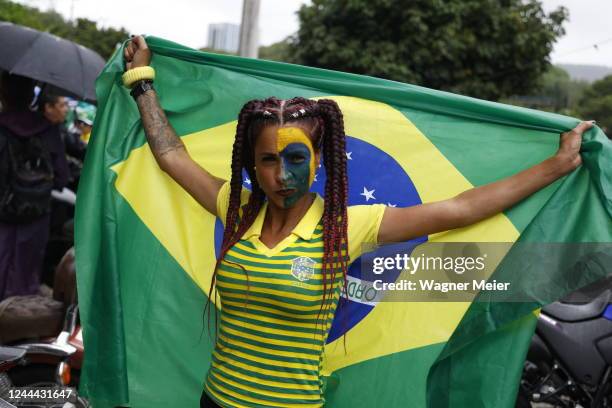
{"x": 297, "y": 159}
{"x": 269, "y": 159}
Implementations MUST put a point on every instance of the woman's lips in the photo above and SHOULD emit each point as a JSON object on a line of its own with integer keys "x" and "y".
{"x": 286, "y": 192}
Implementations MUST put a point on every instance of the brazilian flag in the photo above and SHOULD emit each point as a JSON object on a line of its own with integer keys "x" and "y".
{"x": 146, "y": 250}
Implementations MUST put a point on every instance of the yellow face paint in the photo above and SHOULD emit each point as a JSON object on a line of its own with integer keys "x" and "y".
{"x": 289, "y": 135}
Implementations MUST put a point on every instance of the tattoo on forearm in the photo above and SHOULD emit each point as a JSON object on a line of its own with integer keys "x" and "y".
{"x": 161, "y": 136}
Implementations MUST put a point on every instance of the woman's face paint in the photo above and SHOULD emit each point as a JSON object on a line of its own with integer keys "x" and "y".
{"x": 297, "y": 161}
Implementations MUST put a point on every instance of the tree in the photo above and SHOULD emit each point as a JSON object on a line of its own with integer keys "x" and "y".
{"x": 596, "y": 103}
{"x": 482, "y": 48}
{"x": 555, "y": 91}
{"x": 564, "y": 91}
{"x": 102, "y": 40}
{"x": 82, "y": 31}
{"x": 554, "y": 84}
{"x": 279, "y": 51}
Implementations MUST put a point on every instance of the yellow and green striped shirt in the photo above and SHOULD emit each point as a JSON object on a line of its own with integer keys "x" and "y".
{"x": 271, "y": 332}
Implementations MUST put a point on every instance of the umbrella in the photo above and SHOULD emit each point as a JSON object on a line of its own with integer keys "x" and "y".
{"x": 48, "y": 58}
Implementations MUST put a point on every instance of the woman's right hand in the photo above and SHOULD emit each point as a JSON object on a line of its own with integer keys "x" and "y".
{"x": 137, "y": 53}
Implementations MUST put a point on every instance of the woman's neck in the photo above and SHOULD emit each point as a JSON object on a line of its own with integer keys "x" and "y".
{"x": 281, "y": 221}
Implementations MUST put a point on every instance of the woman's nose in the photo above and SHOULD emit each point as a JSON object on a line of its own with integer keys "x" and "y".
{"x": 282, "y": 175}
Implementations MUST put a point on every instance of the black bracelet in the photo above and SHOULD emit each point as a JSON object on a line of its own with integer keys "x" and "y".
{"x": 141, "y": 87}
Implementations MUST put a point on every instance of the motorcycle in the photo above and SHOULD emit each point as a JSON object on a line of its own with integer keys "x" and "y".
{"x": 569, "y": 362}
{"x": 42, "y": 340}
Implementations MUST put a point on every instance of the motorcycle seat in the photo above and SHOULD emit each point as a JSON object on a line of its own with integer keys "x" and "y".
{"x": 35, "y": 316}
{"x": 30, "y": 317}
{"x": 569, "y": 312}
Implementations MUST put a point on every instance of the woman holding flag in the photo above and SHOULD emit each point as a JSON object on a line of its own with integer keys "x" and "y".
{"x": 285, "y": 250}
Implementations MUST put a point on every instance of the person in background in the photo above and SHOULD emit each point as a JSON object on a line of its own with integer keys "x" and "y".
{"x": 85, "y": 115}
{"x": 53, "y": 107}
{"x": 29, "y": 141}
{"x": 76, "y": 137}
{"x": 79, "y": 128}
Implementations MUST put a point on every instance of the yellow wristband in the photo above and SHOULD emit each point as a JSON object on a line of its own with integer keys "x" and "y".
{"x": 134, "y": 75}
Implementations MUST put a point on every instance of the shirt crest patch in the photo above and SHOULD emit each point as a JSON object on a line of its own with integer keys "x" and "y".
{"x": 302, "y": 268}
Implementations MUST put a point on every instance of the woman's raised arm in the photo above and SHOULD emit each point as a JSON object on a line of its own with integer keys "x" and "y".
{"x": 476, "y": 204}
{"x": 167, "y": 147}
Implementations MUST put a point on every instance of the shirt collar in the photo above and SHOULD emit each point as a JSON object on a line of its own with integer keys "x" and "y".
{"x": 303, "y": 229}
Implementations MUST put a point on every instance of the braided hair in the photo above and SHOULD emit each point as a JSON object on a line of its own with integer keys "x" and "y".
{"x": 325, "y": 122}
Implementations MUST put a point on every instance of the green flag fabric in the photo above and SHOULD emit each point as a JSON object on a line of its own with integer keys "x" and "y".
{"x": 145, "y": 249}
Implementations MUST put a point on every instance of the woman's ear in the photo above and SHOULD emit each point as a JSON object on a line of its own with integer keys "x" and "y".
{"x": 317, "y": 159}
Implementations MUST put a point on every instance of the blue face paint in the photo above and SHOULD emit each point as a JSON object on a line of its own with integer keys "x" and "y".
{"x": 296, "y": 162}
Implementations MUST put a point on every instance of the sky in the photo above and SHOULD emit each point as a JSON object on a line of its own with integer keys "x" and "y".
{"x": 186, "y": 21}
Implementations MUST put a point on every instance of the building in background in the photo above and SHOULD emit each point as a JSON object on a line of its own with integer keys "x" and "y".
{"x": 224, "y": 37}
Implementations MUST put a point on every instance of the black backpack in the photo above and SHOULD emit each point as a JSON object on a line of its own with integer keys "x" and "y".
{"x": 26, "y": 178}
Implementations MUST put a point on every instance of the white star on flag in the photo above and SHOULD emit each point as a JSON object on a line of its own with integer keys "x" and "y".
{"x": 348, "y": 155}
{"x": 391, "y": 205}
{"x": 368, "y": 194}
{"x": 247, "y": 181}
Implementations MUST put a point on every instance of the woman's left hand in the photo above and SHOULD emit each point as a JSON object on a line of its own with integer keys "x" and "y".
{"x": 568, "y": 155}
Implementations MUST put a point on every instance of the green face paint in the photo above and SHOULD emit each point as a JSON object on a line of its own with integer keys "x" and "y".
{"x": 297, "y": 164}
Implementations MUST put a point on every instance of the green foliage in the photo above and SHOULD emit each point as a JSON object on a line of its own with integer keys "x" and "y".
{"x": 554, "y": 84}
{"x": 82, "y": 31}
{"x": 596, "y": 103}
{"x": 554, "y": 91}
{"x": 483, "y": 48}
{"x": 279, "y": 51}
{"x": 564, "y": 91}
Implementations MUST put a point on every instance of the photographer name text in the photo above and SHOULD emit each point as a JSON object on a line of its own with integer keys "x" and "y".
{"x": 430, "y": 285}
